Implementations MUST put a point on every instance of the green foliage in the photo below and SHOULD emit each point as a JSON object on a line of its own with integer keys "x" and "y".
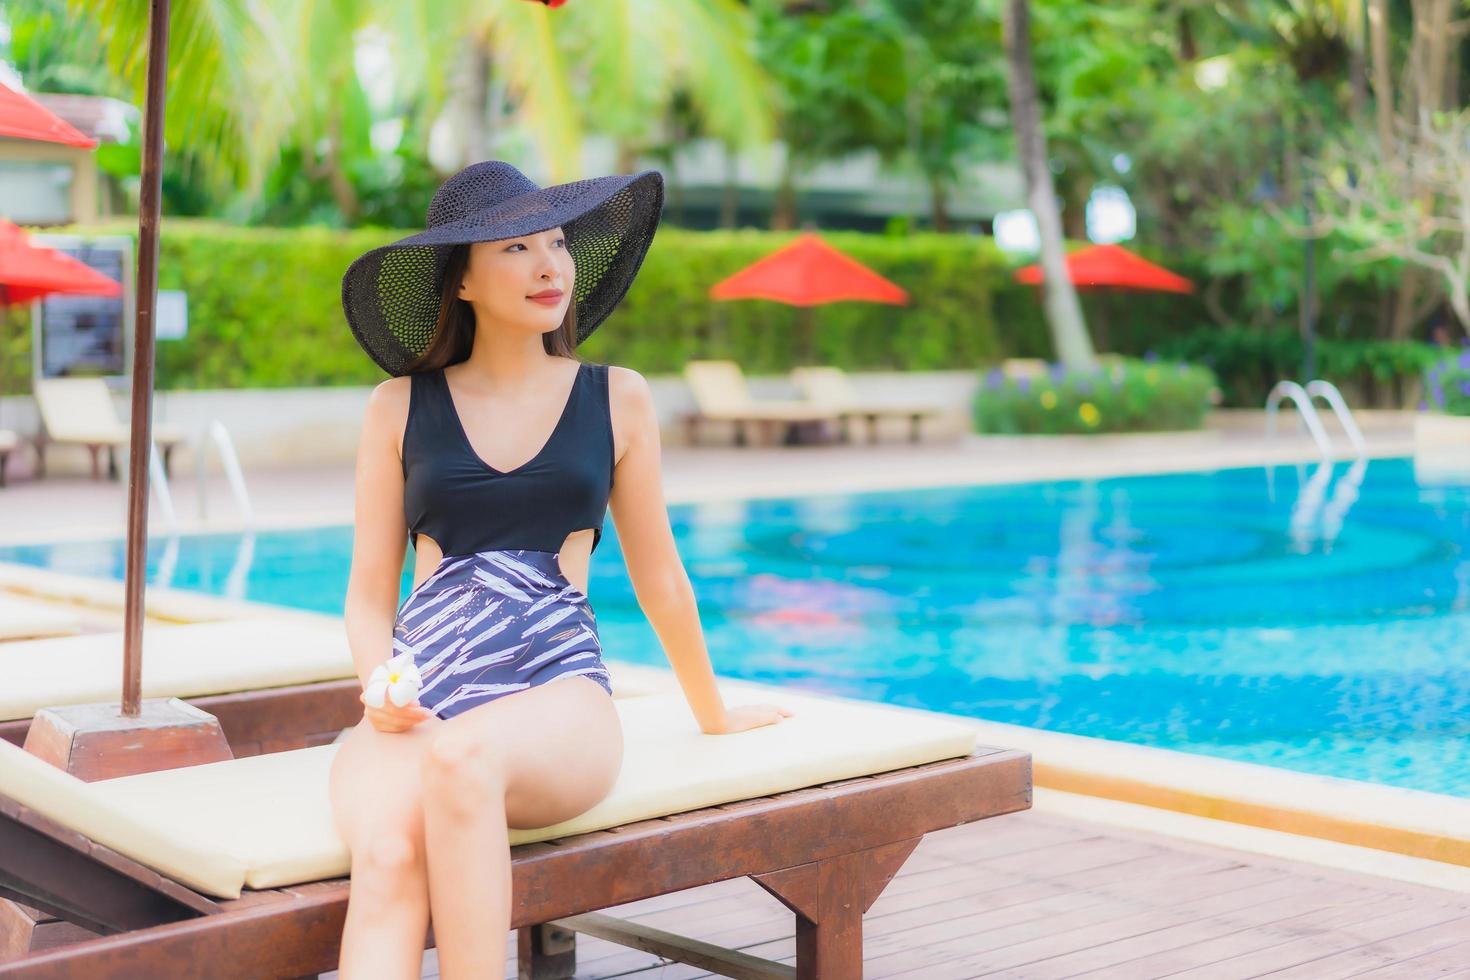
{"x": 1448, "y": 384}
{"x": 1123, "y": 395}
{"x": 1249, "y": 362}
{"x": 265, "y": 306}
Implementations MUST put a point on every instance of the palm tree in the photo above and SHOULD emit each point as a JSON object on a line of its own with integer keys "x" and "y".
{"x": 248, "y": 76}
{"x": 1063, "y": 311}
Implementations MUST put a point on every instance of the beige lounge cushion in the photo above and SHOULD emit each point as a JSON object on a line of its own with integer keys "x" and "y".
{"x": 171, "y": 847}
{"x": 272, "y": 813}
{"x": 720, "y": 392}
{"x": 179, "y": 660}
{"x": 8, "y": 440}
{"x": 22, "y": 618}
{"x": 81, "y": 410}
{"x": 831, "y": 388}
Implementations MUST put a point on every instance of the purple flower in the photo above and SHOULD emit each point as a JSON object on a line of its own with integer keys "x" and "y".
{"x": 1464, "y": 359}
{"x": 994, "y": 378}
{"x": 1057, "y": 372}
{"x": 1084, "y": 386}
{"x": 1023, "y": 384}
{"x": 1465, "y": 388}
{"x": 1423, "y": 405}
{"x": 1151, "y": 356}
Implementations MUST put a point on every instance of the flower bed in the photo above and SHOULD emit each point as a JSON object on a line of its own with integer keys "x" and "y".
{"x": 1122, "y": 395}
{"x": 1447, "y": 385}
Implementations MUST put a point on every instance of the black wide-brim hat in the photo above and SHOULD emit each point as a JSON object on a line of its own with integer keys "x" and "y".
{"x": 391, "y": 294}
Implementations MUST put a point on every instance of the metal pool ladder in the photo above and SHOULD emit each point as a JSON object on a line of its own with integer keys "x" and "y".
{"x": 1307, "y": 412}
{"x": 217, "y": 434}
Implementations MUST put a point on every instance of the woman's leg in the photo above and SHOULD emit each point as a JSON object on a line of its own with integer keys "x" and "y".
{"x": 529, "y": 759}
{"x": 377, "y": 804}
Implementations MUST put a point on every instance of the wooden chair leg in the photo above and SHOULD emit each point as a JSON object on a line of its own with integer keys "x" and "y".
{"x": 545, "y": 952}
{"x": 829, "y": 898}
{"x": 96, "y": 461}
{"x": 4, "y": 458}
{"x": 914, "y": 427}
{"x": 112, "y": 473}
{"x": 39, "y": 445}
{"x": 873, "y": 428}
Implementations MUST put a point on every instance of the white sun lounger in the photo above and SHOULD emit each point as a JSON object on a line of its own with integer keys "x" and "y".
{"x": 79, "y": 411}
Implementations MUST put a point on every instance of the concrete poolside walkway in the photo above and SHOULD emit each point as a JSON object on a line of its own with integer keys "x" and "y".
{"x": 78, "y": 507}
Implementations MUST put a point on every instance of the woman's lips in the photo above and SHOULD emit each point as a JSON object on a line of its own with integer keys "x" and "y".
{"x": 550, "y": 300}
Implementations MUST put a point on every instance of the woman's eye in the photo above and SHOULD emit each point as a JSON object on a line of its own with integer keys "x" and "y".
{"x": 562, "y": 241}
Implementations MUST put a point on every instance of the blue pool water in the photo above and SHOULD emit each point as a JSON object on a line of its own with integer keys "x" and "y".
{"x": 1315, "y": 625}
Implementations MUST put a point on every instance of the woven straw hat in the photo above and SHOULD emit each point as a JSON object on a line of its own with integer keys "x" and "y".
{"x": 391, "y": 294}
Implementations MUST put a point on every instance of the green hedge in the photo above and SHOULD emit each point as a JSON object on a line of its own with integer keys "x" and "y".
{"x": 265, "y": 307}
{"x": 1248, "y": 362}
{"x": 265, "y": 311}
{"x": 1123, "y": 395}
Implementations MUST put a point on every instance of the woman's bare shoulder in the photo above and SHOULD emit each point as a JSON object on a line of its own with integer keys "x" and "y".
{"x": 627, "y": 386}
{"x": 387, "y": 406}
{"x": 630, "y": 400}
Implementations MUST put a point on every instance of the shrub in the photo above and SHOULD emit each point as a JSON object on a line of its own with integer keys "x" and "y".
{"x": 1123, "y": 395}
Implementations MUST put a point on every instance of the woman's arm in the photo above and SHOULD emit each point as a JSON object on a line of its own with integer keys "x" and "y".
{"x": 380, "y": 532}
{"x": 659, "y": 580}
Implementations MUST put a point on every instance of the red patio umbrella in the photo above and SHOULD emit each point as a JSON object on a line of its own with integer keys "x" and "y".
{"x": 1112, "y": 267}
{"x": 22, "y": 117}
{"x": 808, "y": 272}
{"x": 29, "y": 271}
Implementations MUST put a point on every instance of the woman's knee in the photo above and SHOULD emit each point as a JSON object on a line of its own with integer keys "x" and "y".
{"x": 389, "y": 866}
{"x": 462, "y": 773}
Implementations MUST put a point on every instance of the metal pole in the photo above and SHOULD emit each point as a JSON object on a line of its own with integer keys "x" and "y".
{"x": 1308, "y": 304}
{"x": 149, "y": 199}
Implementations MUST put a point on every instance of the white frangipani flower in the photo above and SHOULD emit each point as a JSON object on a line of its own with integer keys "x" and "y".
{"x": 398, "y": 679}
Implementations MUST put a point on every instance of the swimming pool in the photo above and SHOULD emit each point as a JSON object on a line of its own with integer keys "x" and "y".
{"x": 1312, "y": 618}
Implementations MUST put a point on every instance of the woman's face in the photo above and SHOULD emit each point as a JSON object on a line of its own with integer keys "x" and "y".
{"x": 502, "y": 275}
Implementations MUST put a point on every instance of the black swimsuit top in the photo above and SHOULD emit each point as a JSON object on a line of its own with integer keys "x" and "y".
{"x": 468, "y": 506}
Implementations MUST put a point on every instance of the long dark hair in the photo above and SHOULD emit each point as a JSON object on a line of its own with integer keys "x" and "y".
{"x": 454, "y": 333}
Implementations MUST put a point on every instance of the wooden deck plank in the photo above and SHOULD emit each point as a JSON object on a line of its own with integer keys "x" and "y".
{"x": 1031, "y": 896}
{"x": 1373, "y": 942}
{"x": 1452, "y": 961}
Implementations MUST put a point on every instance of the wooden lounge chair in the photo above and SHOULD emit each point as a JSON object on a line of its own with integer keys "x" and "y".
{"x": 273, "y": 684}
{"x": 8, "y": 441}
{"x": 234, "y": 869}
{"x": 830, "y": 388}
{"x": 721, "y": 395}
{"x": 23, "y": 618}
{"x": 78, "y": 411}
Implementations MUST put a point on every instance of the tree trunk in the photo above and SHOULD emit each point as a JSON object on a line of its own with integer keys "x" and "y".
{"x": 1063, "y": 311}
{"x": 1382, "y": 71}
{"x": 627, "y": 159}
{"x": 938, "y": 204}
{"x": 730, "y": 189}
{"x": 783, "y": 209}
{"x": 476, "y": 129}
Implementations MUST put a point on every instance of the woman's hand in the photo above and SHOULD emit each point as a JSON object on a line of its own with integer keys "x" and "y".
{"x": 746, "y": 716}
{"x": 392, "y": 718}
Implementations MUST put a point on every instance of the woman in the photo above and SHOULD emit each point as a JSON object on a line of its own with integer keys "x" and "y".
{"x": 496, "y": 453}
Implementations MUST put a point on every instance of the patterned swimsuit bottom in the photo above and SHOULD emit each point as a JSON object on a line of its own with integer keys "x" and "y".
{"x": 491, "y": 623}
